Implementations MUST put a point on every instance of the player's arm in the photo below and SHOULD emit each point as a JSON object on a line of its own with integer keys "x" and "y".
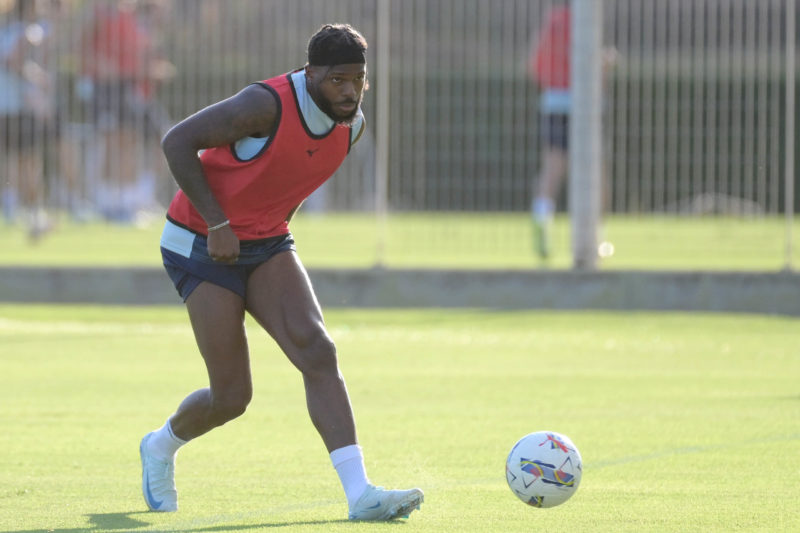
{"x": 251, "y": 112}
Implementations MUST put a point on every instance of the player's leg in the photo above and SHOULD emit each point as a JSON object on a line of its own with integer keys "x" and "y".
{"x": 551, "y": 177}
{"x": 217, "y": 317}
{"x": 10, "y": 170}
{"x": 553, "y": 169}
{"x": 31, "y": 175}
{"x": 281, "y": 299}
{"x": 554, "y": 163}
{"x": 31, "y": 193}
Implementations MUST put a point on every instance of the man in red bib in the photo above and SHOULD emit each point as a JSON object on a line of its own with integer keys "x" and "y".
{"x": 227, "y": 247}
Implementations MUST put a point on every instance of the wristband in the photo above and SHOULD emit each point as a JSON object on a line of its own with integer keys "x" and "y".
{"x": 219, "y": 226}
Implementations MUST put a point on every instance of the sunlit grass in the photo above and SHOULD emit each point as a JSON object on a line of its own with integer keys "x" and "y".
{"x": 681, "y": 420}
{"x": 447, "y": 240}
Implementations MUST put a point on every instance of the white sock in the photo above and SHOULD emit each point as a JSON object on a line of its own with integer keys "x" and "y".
{"x": 543, "y": 209}
{"x": 349, "y": 464}
{"x": 163, "y": 444}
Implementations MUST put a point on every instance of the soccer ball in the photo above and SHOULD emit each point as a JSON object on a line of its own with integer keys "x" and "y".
{"x": 544, "y": 469}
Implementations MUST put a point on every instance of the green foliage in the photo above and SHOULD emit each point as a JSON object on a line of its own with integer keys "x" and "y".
{"x": 686, "y": 422}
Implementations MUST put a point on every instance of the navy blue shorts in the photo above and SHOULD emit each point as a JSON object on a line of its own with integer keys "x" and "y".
{"x": 188, "y": 272}
{"x": 554, "y": 129}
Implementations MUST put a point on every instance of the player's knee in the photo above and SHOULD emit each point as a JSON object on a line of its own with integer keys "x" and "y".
{"x": 231, "y": 404}
{"x": 317, "y": 355}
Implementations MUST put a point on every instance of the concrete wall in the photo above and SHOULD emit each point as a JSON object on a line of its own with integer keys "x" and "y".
{"x": 775, "y": 293}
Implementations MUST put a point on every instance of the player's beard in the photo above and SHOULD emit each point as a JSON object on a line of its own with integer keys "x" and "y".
{"x": 341, "y": 120}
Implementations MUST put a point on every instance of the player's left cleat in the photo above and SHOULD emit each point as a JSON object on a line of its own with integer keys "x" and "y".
{"x": 379, "y": 504}
{"x": 158, "y": 481}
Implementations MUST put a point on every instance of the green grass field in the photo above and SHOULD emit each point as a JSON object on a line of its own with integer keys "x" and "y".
{"x": 686, "y": 422}
{"x": 442, "y": 240}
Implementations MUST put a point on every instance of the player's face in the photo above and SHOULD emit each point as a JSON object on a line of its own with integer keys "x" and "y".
{"x": 338, "y": 90}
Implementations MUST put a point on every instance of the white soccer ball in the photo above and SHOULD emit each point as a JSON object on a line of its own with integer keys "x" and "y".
{"x": 544, "y": 469}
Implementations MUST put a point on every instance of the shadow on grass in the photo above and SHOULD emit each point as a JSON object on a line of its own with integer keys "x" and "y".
{"x": 129, "y": 522}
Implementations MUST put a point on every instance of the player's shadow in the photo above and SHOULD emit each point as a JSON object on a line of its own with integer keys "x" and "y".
{"x": 128, "y": 522}
{"x": 100, "y": 522}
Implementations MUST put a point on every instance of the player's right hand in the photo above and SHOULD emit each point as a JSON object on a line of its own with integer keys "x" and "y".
{"x": 223, "y": 245}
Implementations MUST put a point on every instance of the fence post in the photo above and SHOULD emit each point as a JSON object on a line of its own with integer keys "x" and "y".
{"x": 382, "y": 128}
{"x": 790, "y": 125}
{"x": 585, "y": 151}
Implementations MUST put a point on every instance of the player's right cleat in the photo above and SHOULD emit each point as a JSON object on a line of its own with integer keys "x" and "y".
{"x": 379, "y": 504}
{"x": 158, "y": 481}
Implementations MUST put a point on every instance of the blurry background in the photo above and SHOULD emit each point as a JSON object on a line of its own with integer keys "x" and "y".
{"x": 698, "y": 129}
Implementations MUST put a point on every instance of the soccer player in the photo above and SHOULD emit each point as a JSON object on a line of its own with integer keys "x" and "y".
{"x": 227, "y": 247}
{"x": 549, "y": 69}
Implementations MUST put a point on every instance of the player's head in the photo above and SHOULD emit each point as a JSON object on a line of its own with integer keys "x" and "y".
{"x": 337, "y": 70}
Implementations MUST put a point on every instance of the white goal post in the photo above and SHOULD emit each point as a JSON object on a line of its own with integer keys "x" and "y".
{"x": 585, "y": 149}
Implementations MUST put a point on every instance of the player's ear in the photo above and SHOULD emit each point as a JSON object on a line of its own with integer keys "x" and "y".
{"x": 310, "y": 71}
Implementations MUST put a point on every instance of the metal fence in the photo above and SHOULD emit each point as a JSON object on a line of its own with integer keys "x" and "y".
{"x": 699, "y": 116}
{"x": 696, "y": 118}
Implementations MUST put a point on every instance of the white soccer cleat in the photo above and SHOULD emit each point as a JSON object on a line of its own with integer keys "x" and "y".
{"x": 379, "y": 504}
{"x": 158, "y": 481}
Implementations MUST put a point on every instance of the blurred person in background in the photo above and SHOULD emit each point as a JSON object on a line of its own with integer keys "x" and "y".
{"x": 244, "y": 165}
{"x": 122, "y": 70}
{"x": 549, "y": 69}
{"x": 63, "y": 153}
{"x": 152, "y": 16}
{"x": 27, "y": 105}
